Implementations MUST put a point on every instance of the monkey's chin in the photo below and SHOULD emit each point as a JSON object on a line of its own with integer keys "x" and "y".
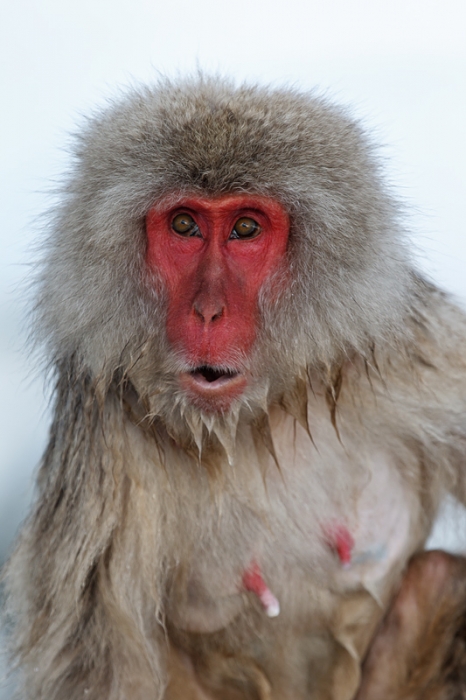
{"x": 212, "y": 390}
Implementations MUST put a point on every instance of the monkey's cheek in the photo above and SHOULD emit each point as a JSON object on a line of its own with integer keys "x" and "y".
{"x": 212, "y": 397}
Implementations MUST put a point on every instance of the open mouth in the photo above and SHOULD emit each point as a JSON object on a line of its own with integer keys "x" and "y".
{"x": 213, "y": 388}
{"x": 209, "y": 374}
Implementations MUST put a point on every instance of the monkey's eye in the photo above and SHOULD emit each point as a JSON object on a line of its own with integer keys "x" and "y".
{"x": 185, "y": 225}
{"x": 245, "y": 228}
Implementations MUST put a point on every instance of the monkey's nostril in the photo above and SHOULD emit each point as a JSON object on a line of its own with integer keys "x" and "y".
{"x": 218, "y": 315}
{"x": 198, "y": 312}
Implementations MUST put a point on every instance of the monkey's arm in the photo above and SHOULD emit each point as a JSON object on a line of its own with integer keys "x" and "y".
{"x": 81, "y": 617}
{"x": 419, "y": 652}
{"x": 422, "y": 396}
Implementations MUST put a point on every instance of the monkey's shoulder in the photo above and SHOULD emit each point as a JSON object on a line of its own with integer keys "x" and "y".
{"x": 410, "y": 397}
{"x": 433, "y": 349}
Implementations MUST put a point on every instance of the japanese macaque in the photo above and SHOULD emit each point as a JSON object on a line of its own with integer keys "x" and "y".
{"x": 259, "y": 406}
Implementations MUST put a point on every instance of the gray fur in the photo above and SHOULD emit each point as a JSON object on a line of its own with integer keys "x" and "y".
{"x": 88, "y": 581}
{"x": 206, "y": 136}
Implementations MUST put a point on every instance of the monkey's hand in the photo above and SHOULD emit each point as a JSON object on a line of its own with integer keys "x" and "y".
{"x": 419, "y": 652}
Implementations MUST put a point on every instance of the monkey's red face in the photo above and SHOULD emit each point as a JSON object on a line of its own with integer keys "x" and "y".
{"x": 214, "y": 255}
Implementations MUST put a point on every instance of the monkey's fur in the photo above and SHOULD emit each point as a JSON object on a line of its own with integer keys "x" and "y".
{"x": 126, "y": 576}
{"x": 420, "y": 649}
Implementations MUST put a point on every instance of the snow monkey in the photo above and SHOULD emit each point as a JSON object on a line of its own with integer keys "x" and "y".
{"x": 259, "y": 406}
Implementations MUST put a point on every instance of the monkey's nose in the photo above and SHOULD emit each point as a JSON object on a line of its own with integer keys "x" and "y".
{"x": 208, "y": 312}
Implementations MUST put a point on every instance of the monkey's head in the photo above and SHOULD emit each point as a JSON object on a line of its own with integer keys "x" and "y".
{"x": 213, "y": 244}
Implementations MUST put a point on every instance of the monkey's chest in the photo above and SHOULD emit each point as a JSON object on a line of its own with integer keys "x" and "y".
{"x": 307, "y": 539}
{"x": 293, "y": 576}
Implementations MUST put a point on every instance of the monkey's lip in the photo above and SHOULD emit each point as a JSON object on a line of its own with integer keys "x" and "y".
{"x": 210, "y": 382}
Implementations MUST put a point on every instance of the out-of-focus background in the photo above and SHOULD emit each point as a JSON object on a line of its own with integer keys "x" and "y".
{"x": 400, "y": 64}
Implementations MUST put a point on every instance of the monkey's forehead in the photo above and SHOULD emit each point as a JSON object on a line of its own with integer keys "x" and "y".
{"x": 205, "y": 134}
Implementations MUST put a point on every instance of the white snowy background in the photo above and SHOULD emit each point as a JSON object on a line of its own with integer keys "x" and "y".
{"x": 400, "y": 64}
